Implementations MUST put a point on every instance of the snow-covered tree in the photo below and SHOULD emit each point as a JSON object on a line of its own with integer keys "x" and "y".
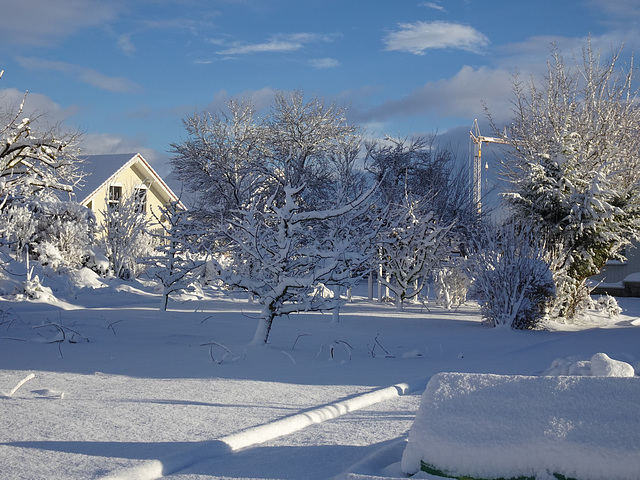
{"x": 451, "y": 283}
{"x": 411, "y": 245}
{"x": 428, "y": 202}
{"x": 511, "y": 276}
{"x": 123, "y": 236}
{"x": 282, "y": 252}
{"x": 304, "y": 139}
{"x": 223, "y": 160}
{"x": 180, "y": 262}
{"x": 573, "y": 167}
{"x": 34, "y": 162}
{"x": 295, "y": 224}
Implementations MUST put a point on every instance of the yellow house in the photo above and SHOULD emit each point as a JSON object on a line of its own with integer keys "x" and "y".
{"x": 112, "y": 177}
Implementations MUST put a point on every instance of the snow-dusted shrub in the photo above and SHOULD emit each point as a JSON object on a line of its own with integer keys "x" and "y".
{"x": 97, "y": 261}
{"x": 64, "y": 233}
{"x": 17, "y": 226}
{"x": 608, "y": 305}
{"x": 511, "y": 277}
{"x": 32, "y": 288}
{"x": 57, "y": 233}
{"x": 451, "y": 286}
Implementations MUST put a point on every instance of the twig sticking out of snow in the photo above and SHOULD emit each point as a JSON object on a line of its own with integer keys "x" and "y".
{"x": 62, "y": 329}
{"x": 111, "y": 326}
{"x": 228, "y": 353}
{"x": 331, "y": 348}
{"x": 298, "y": 338}
{"x": 20, "y": 383}
{"x": 376, "y": 343}
{"x": 290, "y": 357}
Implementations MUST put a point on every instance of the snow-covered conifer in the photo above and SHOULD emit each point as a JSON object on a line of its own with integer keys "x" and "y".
{"x": 574, "y": 166}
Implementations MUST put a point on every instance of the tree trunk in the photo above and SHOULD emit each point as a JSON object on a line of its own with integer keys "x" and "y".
{"x": 335, "y": 318}
{"x": 264, "y": 327}
{"x": 165, "y": 300}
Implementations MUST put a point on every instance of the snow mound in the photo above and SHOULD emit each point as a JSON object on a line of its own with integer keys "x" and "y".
{"x": 600, "y": 365}
{"x": 490, "y": 426}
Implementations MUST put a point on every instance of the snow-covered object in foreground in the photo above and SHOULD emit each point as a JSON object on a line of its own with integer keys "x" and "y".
{"x": 600, "y": 365}
{"x": 603, "y": 366}
{"x": 491, "y": 426}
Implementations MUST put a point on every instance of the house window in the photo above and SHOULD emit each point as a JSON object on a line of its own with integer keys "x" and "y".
{"x": 140, "y": 197}
{"x": 115, "y": 195}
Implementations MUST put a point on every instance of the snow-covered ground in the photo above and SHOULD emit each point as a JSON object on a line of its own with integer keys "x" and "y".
{"x": 123, "y": 390}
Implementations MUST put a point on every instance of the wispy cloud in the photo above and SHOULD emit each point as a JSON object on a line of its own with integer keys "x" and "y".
{"x": 83, "y": 74}
{"x": 617, "y": 9}
{"x": 433, "y": 6}
{"x": 50, "y": 21}
{"x": 125, "y": 44}
{"x": 322, "y": 63}
{"x": 277, "y": 43}
{"x": 418, "y": 37}
{"x": 459, "y": 96}
{"x": 41, "y": 108}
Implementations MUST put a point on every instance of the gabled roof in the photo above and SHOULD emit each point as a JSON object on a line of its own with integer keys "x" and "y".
{"x": 102, "y": 169}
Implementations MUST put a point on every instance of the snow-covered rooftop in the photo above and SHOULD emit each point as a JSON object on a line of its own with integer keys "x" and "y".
{"x": 98, "y": 169}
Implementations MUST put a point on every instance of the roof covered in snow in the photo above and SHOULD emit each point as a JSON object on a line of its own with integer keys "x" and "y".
{"x": 99, "y": 169}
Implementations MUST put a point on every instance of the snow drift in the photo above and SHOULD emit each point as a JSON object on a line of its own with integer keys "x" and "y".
{"x": 490, "y": 426}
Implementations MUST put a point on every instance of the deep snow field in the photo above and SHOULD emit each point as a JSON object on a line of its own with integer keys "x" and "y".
{"x": 123, "y": 390}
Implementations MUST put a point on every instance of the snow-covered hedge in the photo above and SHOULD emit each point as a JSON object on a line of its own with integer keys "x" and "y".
{"x": 496, "y": 426}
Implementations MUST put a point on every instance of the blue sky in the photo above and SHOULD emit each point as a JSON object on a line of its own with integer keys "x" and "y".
{"x": 127, "y": 71}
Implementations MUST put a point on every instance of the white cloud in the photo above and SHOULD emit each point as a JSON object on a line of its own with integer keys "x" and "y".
{"x": 322, "y": 63}
{"x": 83, "y": 74}
{"x": 261, "y": 98}
{"x": 43, "y": 22}
{"x": 460, "y": 96}
{"x": 530, "y": 56}
{"x": 44, "y": 111}
{"x": 102, "y": 143}
{"x": 420, "y": 36}
{"x": 433, "y": 6}
{"x": 619, "y": 9}
{"x": 277, "y": 43}
{"x": 125, "y": 44}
